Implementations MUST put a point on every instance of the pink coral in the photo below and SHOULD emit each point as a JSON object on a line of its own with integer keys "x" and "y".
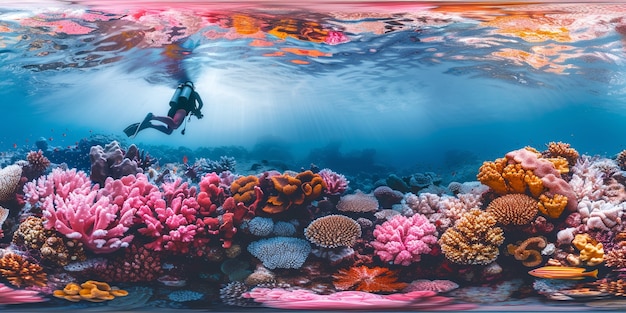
{"x": 336, "y": 184}
{"x": 404, "y": 239}
{"x": 351, "y": 300}
{"x": 101, "y": 217}
{"x": 59, "y": 182}
{"x": 12, "y": 296}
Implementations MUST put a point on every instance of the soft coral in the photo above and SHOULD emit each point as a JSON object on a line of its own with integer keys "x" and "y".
{"x": 363, "y": 278}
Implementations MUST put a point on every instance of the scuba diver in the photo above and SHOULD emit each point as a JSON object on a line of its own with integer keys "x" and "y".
{"x": 182, "y": 104}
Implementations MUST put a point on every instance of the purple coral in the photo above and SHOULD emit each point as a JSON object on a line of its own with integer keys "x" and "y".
{"x": 402, "y": 240}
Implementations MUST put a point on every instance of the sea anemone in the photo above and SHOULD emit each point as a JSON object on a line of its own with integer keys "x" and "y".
{"x": 363, "y": 278}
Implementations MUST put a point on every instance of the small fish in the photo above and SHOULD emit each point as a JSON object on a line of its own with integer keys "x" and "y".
{"x": 14, "y": 146}
{"x": 563, "y": 272}
{"x": 185, "y": 159}
{"x": 64, "y": 135}
{"x": 50, "y": 139}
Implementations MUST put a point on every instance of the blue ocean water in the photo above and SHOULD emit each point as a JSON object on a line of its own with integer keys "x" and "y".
{"x": 401, "y": 87}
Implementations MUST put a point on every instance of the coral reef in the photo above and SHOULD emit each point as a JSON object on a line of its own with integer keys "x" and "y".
{"x": 333, "y": 231}
{"x": 564, "y": 150}
{"x": 242, "y": 189}
{"x": 474, "y": 239}
{"x": 516, "y": 209}
{"x": 402, "y": 240}
{"x": 20, "y": 272}
{"x": 91, "y": 290}
{"x": 363, "y": 278}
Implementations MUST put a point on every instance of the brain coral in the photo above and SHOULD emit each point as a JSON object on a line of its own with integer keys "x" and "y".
{"x": 516, "y": 209}
{"x": 357, "y": 202}
{"x": 333, "y": 231}
{"x": 474, "y": 239}
{"x": 9, "y": 179}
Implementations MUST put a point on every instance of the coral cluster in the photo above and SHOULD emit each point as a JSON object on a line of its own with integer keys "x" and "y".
{"x": 528, "y": 251}
{"x": 9, "y": 180}
{"x": 91, "y": 290}
{"x": 474, "y": 239}
{"x": 295, "y": 190}
{"x": 402, "y": 240}
{"x": 591, "y": 251}
{"x": 20, "y": 272}
{"x": 293, "y": 252}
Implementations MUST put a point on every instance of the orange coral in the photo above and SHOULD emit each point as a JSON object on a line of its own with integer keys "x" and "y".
{"x": 363, "y": 278}
{"x": 302, "y": 188}
{"x": 242, "y": 189}
{"x": 490, "y": 174}
{"x": 591, "y": 251}
{"x": 552, "y": 207}
{"x": 621, "y": 160}
{"x": 20, "y": 272}
{"x": 528, "y": 251}
{"x": 90, "y": 290}
{"x": 563, "y": 150}
{"x": 561, "y": 164}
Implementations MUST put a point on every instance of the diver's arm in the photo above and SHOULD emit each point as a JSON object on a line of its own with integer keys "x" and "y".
{"x": 198, "y": 113}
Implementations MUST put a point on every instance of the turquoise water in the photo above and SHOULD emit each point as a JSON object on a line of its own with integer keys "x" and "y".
{"x": 381, "y": 93}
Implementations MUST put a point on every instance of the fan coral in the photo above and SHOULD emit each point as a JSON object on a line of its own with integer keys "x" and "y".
{"x": 357, "y": 202}
{"x": 333, "y": 231}
{"x": 336, "y": 184}
{"x": 9, "y": 180}
{"x": 242, "y": 189}
{"x": 90, "y": 290}
{"x": 404, "y": 239}
{"x": 302, "y": 188}
{"x": 591, "y": 251}
{"x": 12, "y": 296}
{"x": 474, "y": 239}
{"x": 516, "y": 209}
{"x": 560, "y": 149}
{"x": 293, "y": 252}
{"x": 20, "y": 272}
{"x": 529, "y": 251}
{"x": 363, "y": 278}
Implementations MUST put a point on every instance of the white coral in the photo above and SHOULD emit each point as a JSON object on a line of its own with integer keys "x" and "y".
{"x": 9, "y": 179}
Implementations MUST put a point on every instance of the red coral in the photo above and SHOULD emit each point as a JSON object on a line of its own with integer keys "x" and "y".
{"x": 363, "y": 278}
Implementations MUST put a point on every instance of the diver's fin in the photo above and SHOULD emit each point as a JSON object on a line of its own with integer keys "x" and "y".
{"x": 131, "y": 130}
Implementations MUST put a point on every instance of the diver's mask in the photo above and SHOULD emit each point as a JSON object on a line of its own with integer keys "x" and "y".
{"x": 182, "y": 92}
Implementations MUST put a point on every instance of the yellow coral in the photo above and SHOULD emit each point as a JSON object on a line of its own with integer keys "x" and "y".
{"x": 563, "y": 150}
{"x": 552, "y": 207}
{"x": 90, "y": 290}
{"x": 591, "y": 251}
{"x": 560, "y": 164}
{"x": 474, "y": 239}
{"x": 534, "y": 183}
{"x": 490, "y": 174}
{"x": 514, "y": 174}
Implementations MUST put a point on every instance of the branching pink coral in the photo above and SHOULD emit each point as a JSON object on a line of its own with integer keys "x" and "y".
{"x": 13, "y": 296}
{"x": 404, "y": 239}
{"x": 60, "y": 183}
{"x": 351, "y": 300}
{"x": 100, "y": 217}
{"x": 336, "y": 184}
